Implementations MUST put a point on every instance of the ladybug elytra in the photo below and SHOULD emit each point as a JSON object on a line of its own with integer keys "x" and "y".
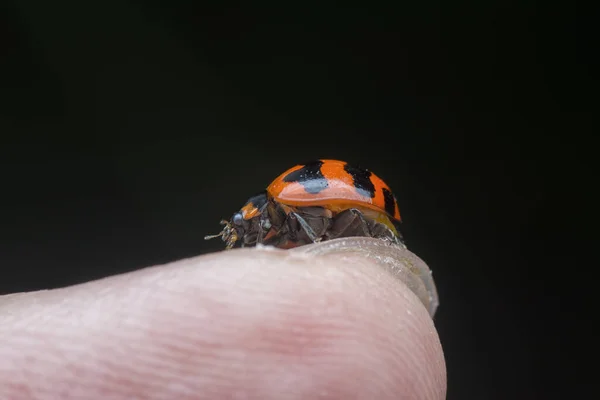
{"x": 316, "y": 201}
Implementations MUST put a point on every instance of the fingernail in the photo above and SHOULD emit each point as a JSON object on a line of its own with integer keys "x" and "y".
{"x": 402, "y": 263}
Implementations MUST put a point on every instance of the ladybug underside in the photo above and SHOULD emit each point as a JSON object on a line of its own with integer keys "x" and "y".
{"x": 305, "y": 225}
{"x": 286, "y": 227}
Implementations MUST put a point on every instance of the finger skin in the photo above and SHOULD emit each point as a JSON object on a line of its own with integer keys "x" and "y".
{"x": 242, "y": 324}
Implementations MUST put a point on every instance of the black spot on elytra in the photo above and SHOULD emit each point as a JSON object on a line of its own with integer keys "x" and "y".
{"x": 390, "y": 202}
{"x": 309, "y": 176}
{"x": 362, "y": 180}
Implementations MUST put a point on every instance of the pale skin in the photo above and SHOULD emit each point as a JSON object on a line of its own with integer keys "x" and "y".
{"x": 239, "y": 324}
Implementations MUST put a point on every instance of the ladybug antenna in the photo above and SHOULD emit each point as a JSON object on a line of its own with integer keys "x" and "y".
{"x": 228, "y": 234}
{"x": 220, "y": 234}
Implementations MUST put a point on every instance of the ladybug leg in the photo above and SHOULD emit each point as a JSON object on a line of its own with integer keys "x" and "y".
{"x": 306, "y": 227}
{"x": 350, "y": 223}
{"x": 260, "y": 235}
{"x": 274, "y": 239}
{"x": 366, "y": 227}
{"x": 264, "y": 229}
{"x": 275, "y": 226}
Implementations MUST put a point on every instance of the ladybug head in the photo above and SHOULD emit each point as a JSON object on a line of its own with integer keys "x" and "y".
{"x": 243, "y": 223}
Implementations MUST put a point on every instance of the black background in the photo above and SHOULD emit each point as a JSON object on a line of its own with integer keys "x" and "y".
{"x": 129, "y": 130}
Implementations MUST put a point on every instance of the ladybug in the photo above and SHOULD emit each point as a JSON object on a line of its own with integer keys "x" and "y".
{"x": 316, "y": 201}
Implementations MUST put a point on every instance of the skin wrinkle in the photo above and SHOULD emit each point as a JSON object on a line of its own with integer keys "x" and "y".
{"x": 277, "y": 327}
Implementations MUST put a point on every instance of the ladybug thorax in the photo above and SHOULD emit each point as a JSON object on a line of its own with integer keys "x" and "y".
{"x": 254, "y": 206}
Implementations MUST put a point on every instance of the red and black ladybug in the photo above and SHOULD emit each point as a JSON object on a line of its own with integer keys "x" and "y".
{"x": 320, "y": 200}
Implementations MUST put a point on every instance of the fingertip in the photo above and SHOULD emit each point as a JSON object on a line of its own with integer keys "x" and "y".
{"x": 263, "y": 323}
{"x": 388, "y": 289}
